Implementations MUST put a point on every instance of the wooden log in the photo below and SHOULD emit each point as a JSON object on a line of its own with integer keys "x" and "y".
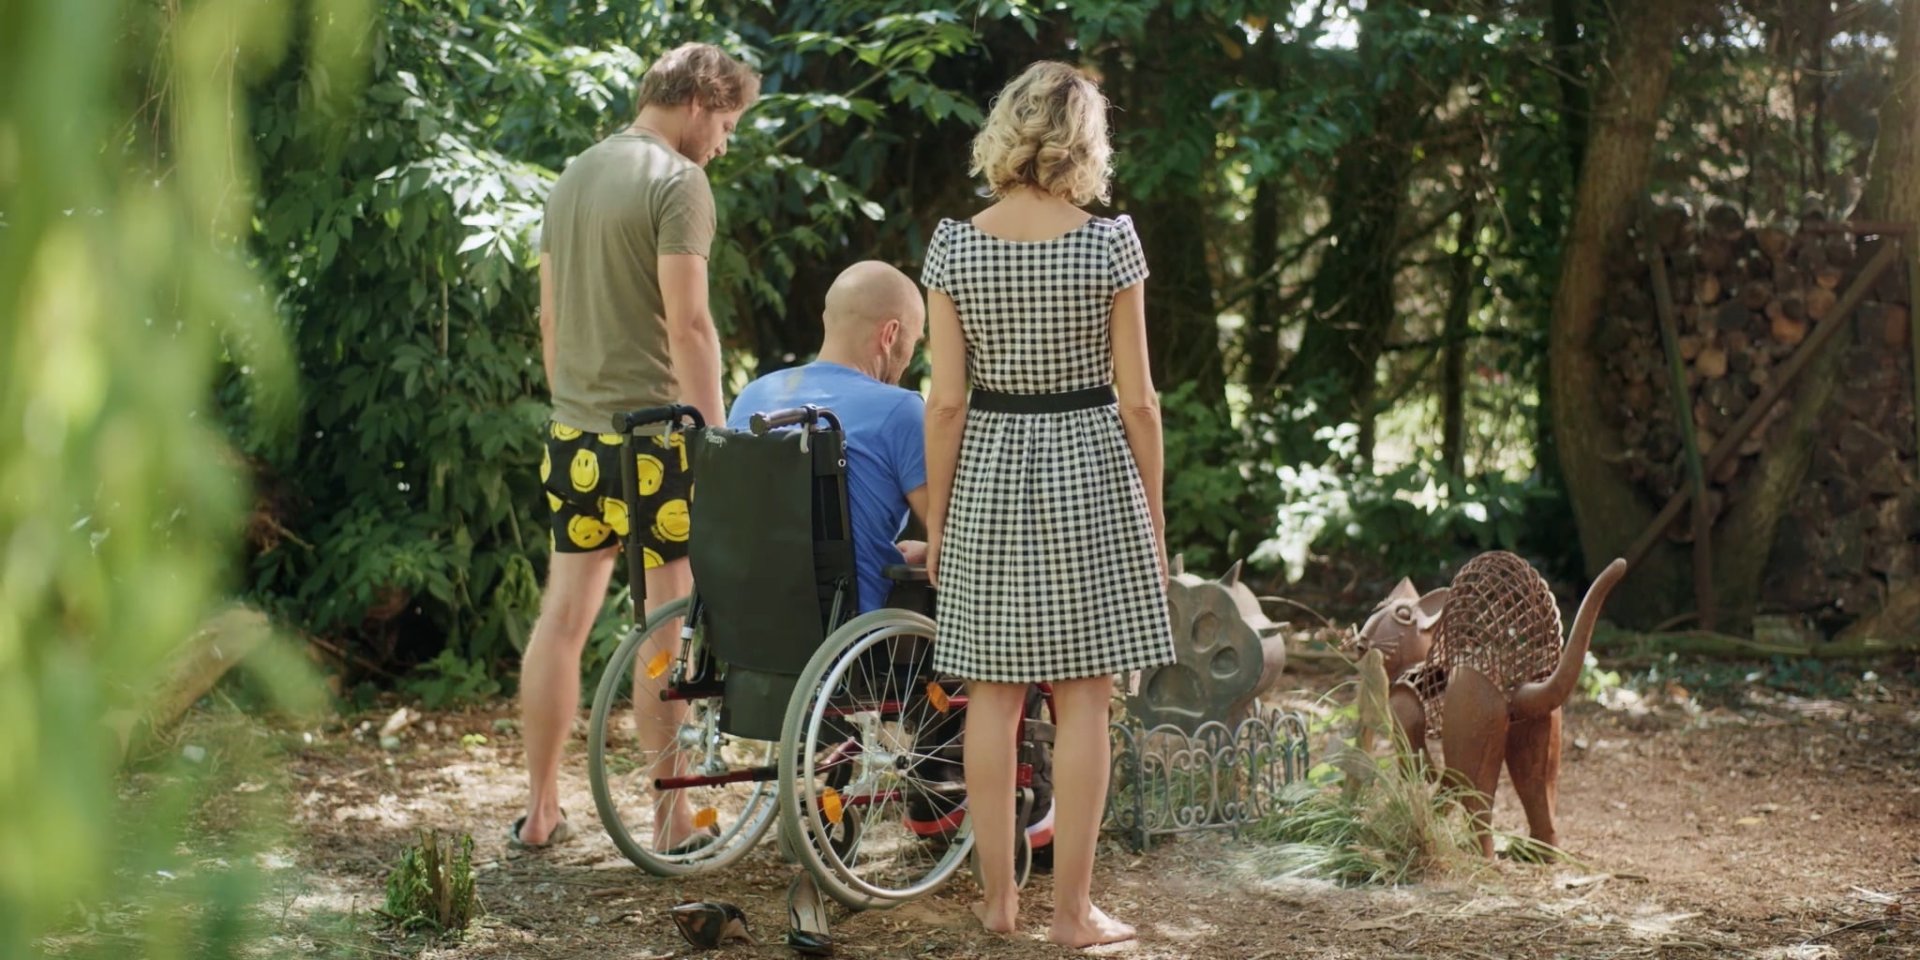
{"x": 1772, "y": 241}
{"x": 1729, "y": 444}
{"x": 1787, "y": 331}
{"x": 1896, "y": 326}
{"x": 1691, "y": 443}
{"x": 1704, "y": 643}
{"x": 1712, "y": 361}
{"x": 1820, "y": 303}
{"x": 192, "y": 670}
{"x": 1706, "y": 288}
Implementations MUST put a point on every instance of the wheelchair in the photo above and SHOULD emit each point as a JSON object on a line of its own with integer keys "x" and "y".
{"x": 760, "y": 699}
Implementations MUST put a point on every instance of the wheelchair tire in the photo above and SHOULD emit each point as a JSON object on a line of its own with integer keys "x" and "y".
{"x": 862, "y": 665}
{"x": 1022, "y": 862}
{"x": 753, "y": 813}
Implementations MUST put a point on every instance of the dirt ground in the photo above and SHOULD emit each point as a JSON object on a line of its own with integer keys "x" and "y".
{"x": 1783, "y": 828}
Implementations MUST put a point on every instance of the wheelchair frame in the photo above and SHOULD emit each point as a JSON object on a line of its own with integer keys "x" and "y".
{"x": 824, "y": 818}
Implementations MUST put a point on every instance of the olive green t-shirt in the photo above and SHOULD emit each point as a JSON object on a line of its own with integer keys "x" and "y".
{"x": 616, "y": 209}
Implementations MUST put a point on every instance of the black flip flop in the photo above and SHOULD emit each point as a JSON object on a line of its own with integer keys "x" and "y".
{"x": 561, "y": 833}
{"x": 689, "y": 847}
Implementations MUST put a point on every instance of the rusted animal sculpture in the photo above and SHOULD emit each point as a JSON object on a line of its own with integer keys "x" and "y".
{"x": 1495, "y": 677}
{"x": 1226, "y": 653}
{"x": 1402, "y": 629}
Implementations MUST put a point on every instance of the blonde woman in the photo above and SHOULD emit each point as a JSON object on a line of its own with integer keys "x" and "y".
{"x": 1047, "y": 537}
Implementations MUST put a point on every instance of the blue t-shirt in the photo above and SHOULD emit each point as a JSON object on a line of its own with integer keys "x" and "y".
{"x": 886, "y": 453}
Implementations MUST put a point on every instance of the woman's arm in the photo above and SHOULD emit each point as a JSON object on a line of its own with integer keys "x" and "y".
{"x": 946, "y": 416}
{"x": 1139, "y": 404}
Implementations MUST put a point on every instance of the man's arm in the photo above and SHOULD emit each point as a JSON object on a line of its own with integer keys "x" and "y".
{"x": 548, "y": 349}
{"x": 691, "y": 338}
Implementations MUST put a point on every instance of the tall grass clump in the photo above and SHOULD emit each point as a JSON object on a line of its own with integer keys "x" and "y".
{"x": 1359, "y": 819}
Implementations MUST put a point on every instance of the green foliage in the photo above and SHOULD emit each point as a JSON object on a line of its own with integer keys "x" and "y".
{"x": 124, "y": 190}
{"x": 402, "y": 230}
{"x": 432, "y": 886}
{"x": 450, "y": 680}
{"x": 1412, "y": 520}
{"x": 1219, "y": 482}
{"x": 1731, "y": 683}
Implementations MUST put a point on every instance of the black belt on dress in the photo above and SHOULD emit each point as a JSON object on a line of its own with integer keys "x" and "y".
{"x": 1071, "y": 400}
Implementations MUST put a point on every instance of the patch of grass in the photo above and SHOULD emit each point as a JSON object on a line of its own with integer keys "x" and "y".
{"x": 432, "y": 886}
{"x": 1360, "y": 819}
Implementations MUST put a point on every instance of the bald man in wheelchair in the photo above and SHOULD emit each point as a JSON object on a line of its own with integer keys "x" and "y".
{"x": 874, "y": 319}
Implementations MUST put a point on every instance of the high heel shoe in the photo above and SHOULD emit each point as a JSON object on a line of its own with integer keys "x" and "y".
{"x": 807, "y": 919}
{"x": 709, "y": 923}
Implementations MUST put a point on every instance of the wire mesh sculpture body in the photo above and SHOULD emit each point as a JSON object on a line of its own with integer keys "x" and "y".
{"x": 1494, "y": 679}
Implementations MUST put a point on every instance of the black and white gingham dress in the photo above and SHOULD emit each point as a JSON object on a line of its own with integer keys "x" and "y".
{"x": 1047, "y": 568}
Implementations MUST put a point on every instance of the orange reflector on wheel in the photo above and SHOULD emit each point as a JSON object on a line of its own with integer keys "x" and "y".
{"x": 659, "y": 664}
{"x": 937, "y": 695}
{"x": 705, "y": 817}
{"x": 831, "y": 806}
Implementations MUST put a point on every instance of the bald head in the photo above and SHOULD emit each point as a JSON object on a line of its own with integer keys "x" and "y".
{"x": 874, "y": 311}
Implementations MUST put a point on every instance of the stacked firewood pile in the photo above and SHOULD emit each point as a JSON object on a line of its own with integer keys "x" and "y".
{"x": 1743, "y": 300}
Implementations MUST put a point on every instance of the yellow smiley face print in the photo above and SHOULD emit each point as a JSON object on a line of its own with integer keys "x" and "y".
{"x": 650, "y": 559}
{"x": 610, "y": 439}
{"x": 584, "y": 471}
{"x": 563, "y": 432}
{"x": 587, "y": 533}
{"x": 546, "y": 465}
{"x": 613, "y": 511}
{"x": 651, "y": 473}
{"x": 670, "y": 522}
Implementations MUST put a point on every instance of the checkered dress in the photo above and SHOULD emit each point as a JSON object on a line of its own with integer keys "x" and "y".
{"x": 1047, "y": 568}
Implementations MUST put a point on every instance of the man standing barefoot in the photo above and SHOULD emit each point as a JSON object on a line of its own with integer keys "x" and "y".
{"x": 624, "y": 324}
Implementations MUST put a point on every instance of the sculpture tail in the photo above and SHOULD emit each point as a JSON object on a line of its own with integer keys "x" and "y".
{"x": 1530, "y": 701}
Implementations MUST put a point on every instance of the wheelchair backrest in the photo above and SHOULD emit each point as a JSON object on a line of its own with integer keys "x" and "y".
{"x": 772, "y": 545}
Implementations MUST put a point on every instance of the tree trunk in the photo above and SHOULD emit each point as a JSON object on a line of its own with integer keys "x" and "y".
{"x": 1608, "y": 511}
{"x": 1465, "y": 279}
{"x": 1183, "y": 331}
{"x": 1262, "y": 338}
{"x": 1571, "y": 64}
{"x": 1353, "y": 306}
{"x": 1893, "y": 179}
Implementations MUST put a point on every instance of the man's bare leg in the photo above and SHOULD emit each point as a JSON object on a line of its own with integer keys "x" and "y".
{"x": 656, "y": 721}
{"x": 550, "y": 677}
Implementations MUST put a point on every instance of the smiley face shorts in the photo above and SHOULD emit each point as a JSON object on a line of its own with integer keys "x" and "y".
{"x": 581, "y": 474}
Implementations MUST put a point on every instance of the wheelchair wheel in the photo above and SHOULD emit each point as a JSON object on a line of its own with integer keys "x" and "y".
{"x": 720, "y": 819}
{"x": 865, "y": 738}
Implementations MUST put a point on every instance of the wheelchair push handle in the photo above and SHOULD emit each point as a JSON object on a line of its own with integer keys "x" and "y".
{"x": 808, "y": 416}
{"x": 671, "y": 413}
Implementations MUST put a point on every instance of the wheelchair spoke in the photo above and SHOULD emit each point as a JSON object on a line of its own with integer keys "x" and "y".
{"x": 675, "y": 794}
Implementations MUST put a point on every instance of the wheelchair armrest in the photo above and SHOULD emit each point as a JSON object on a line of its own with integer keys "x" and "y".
{"x": 906, "y": 572}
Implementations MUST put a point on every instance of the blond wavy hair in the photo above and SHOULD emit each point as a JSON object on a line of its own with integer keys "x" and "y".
{"x": 699, "y": 70}
{"x": 1047, "y": 130}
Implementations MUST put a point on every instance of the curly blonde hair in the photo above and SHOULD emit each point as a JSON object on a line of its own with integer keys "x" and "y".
{"x": 700, "y": 70}
{"x": 1047, "y": 130}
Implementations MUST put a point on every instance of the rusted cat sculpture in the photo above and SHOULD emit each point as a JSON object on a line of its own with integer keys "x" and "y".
{"x": 1483, "y": 662}
{"x": 1226, "y": 653}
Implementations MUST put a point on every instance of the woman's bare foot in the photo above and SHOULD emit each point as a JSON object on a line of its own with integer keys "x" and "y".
{"x": 998, "y": 917}
{"x": 1091, "y": 930}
